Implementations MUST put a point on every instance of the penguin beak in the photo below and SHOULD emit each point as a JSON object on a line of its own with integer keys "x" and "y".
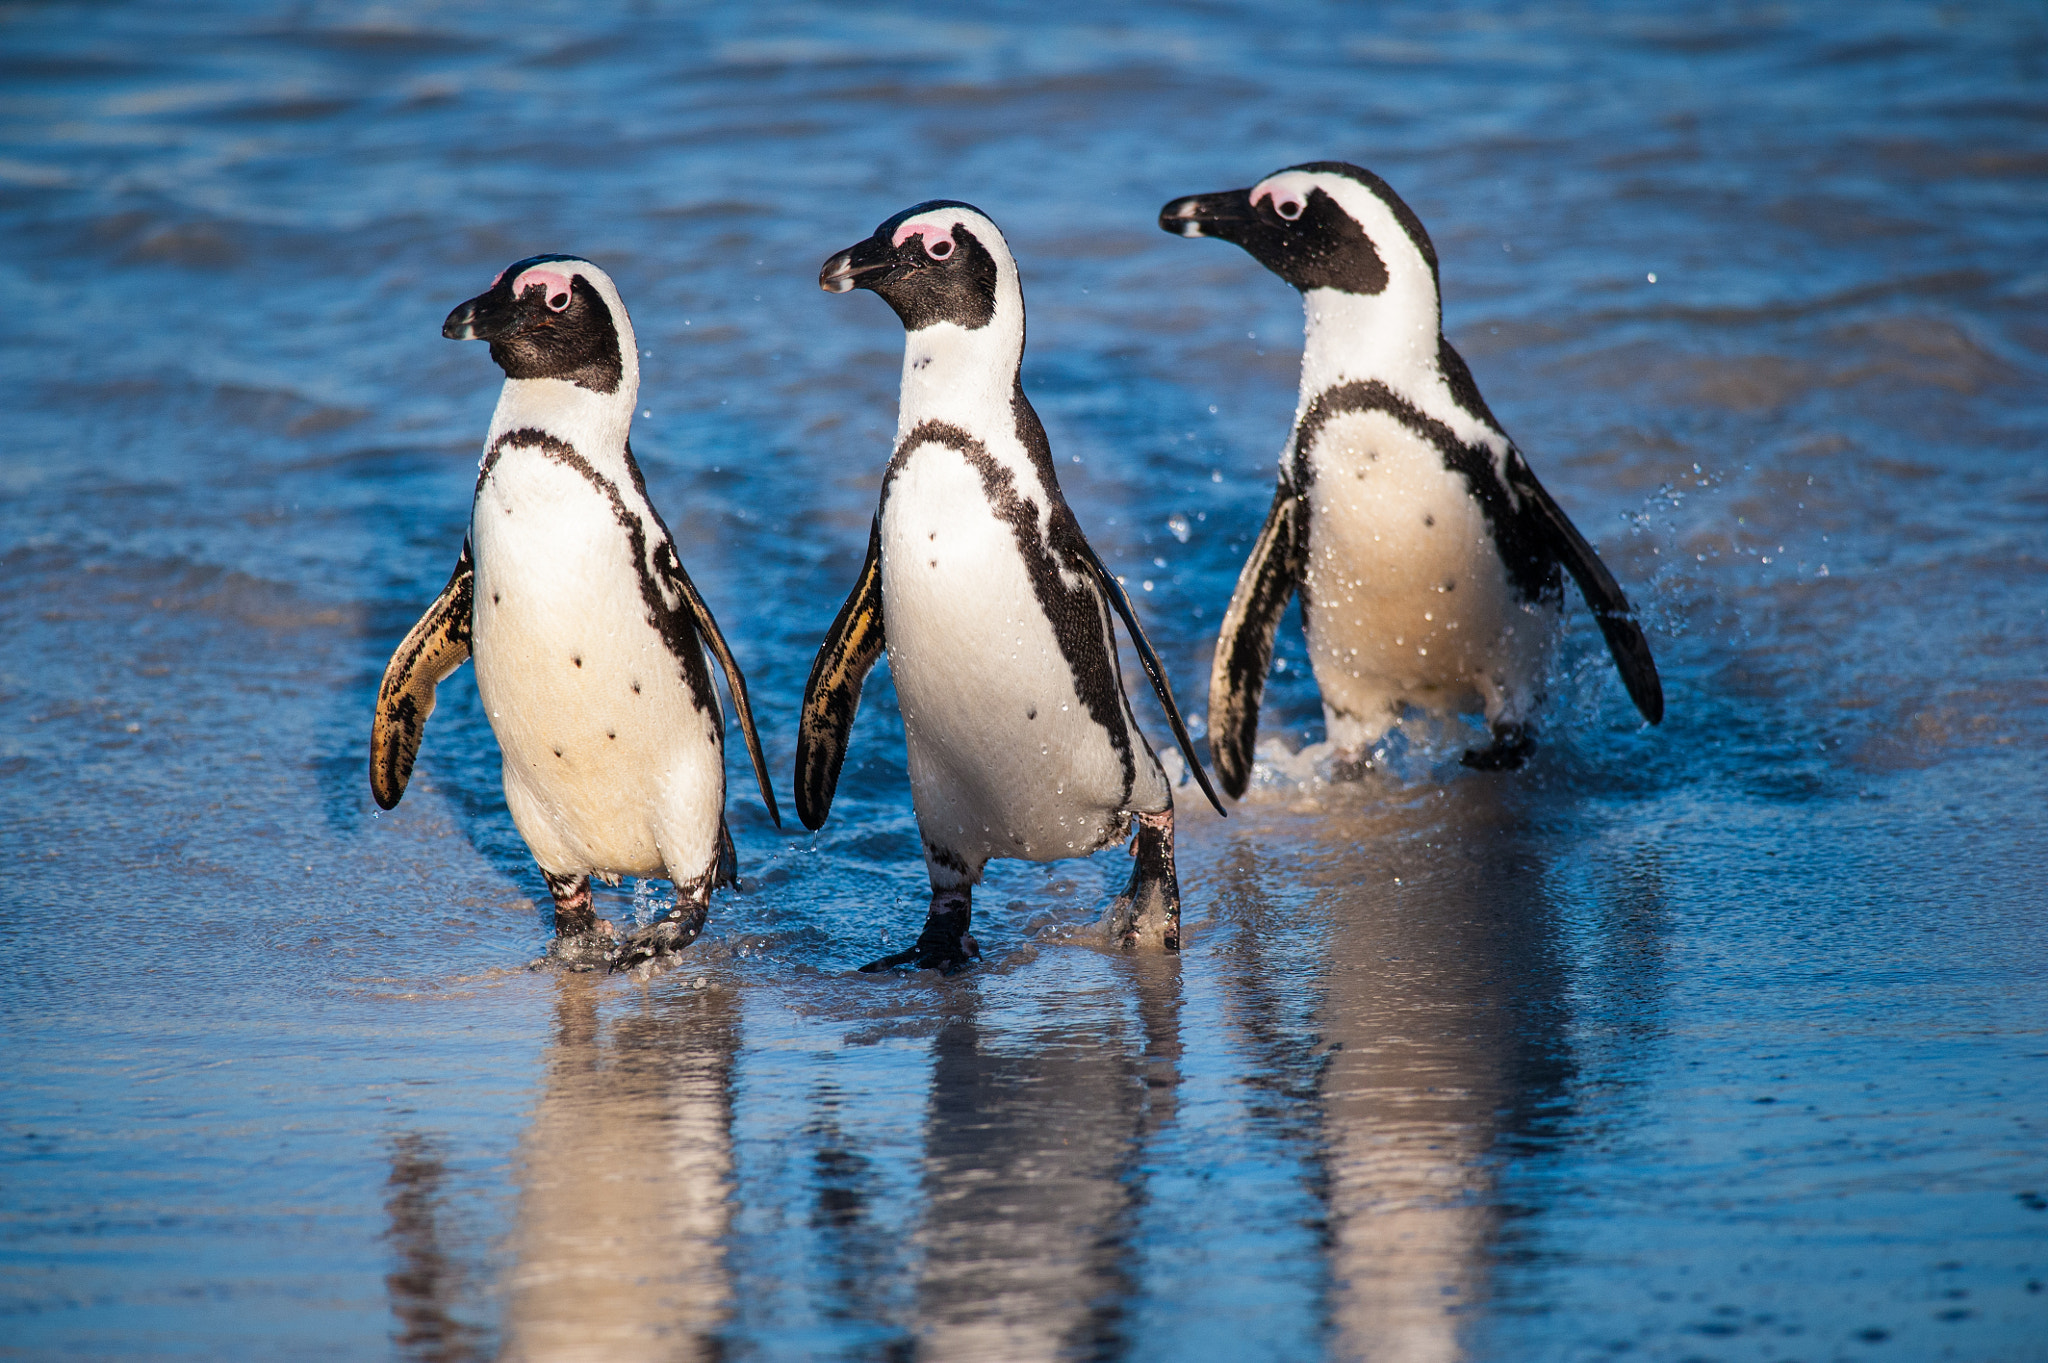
{"x": 1227, "y": 214}
{"x": 487, "y": 317}
{"x": 861, "y": 266}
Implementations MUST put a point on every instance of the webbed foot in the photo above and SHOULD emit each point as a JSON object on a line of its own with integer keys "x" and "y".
{"x": 588, "y": 949}
{"x": 945, "y": 945}
{"x": 667, "y": 935}
{"x": 583, "y": 941}
{"x": 1513, "y": 744}
{"x": 1153, "y": 896}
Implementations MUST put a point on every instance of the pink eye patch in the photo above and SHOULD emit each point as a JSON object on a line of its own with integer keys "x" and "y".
{"x": 938, "y": 241}
{"x": 1287, "y": 205}
{"x": 553, "y": 280}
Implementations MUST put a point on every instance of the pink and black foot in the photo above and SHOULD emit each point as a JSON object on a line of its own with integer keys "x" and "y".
{"x": 1153, "y": 896}
{"x": 583, "y": 941}
{"x": 669, "y": 934}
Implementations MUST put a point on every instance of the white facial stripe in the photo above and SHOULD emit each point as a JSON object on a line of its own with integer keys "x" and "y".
{"x": 1402, "y": 256}
{"x": 553, "y": 279}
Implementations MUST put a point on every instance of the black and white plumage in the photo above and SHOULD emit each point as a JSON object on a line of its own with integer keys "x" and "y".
{"x": 589, "y": 638}
{"x": 1426, "y": 554}
{"x": 993, "y": 609}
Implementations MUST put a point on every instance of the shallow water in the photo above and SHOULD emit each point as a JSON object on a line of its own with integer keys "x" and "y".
{"x": 1723, "y": 1040}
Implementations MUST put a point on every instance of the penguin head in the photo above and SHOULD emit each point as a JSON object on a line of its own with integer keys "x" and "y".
{"x": 550, "y": 317}
{"x": 1323, "y": 225}
{"x": 936, "y": 263}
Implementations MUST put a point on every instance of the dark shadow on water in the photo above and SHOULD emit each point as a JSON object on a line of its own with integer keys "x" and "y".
{"x": 1412, "y": 1021}
{"x": 625, "y": 1183}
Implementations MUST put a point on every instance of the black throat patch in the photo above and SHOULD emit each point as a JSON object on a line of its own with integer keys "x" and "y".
{"x": 1326, "y": 249}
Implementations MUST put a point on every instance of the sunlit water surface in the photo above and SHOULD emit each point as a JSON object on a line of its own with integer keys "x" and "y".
{"x": 1722, "y": 1040}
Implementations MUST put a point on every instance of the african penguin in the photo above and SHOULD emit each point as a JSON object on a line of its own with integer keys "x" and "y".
{"x": 589, "y": 637}
{"x": 994, "y": 610}
{"x": 1426, "y": 553}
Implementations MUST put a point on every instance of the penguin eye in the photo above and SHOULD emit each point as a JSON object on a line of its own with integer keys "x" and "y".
{"x": 938, "y": 249}
{"x": 558, "y": 301}
{"x": 1287, "y": 207}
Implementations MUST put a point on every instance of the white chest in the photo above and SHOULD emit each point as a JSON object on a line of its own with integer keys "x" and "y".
{"x": 1407, "y": 592}
{"x": 602, "y": 741}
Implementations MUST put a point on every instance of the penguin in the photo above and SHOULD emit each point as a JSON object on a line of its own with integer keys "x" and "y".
{"x": 589, "y": 638}
{"x": 992, "y": 607}
{"x": 1426, "y": 554}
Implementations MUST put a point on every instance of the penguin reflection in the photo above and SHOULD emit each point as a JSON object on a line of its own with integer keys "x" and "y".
{"x": 625, "y": 1180}
{"x": 1032, "y": 1193}
{"x": 1440, "y": 1011}
{"x": 427, "y": 1284}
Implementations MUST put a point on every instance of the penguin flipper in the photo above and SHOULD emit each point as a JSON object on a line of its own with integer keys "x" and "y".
{"x": 735, "y": 682}
{"x": 1114, "y": 590}
{"x": 832, "y": 695}
{"x": 1609, "y": 603}
{"x": 1244, "y": 646}
{"x": 430, "y": 652}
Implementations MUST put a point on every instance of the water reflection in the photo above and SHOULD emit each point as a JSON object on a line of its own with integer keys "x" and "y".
{"x": 625, "y": 1183}
{"x": 428, "y": 1282}
{"x": 1428, "y": 971}
{"x": 859, "y": 1247}
{"x": 1033, "y": 1180}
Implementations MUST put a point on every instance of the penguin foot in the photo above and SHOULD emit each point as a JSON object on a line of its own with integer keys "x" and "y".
{"x": 1350, "y": 766}
{"x": 578, "y": 952}
{"x": 1153, "y": 896}
{"x": 1512, "y": 745}
{"x": 667, "y": 935}
{"x": 945, "y": 945}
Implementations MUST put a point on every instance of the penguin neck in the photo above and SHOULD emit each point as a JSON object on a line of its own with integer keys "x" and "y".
{"x": 594, "y": 424}
{"x": 1392, "y": 336}
{"x": 961, "y": 376}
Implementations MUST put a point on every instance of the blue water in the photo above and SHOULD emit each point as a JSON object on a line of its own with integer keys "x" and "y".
{"x": 1723, "y": 1040}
